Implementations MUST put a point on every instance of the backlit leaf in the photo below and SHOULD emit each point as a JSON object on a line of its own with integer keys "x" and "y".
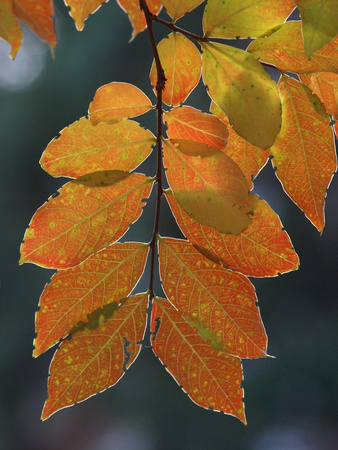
{"x": 10, "y": 29}
{"x": 136, "y": 16}
{"x": 264, "y": 249}
{"x": 319, "y": 23}
{"x": 73, "y": 294}
{"x": 210, "y": 378}
{"x": 325, "y": 86}
{"x": 220, "y": 304}
{"x": 229, "y": 19}
{"x": 285, "y": 50}
{"x": 98, "y": 354}
{"x": 116, "y": 101}
{"x": 248, "y": 157}
{"x": 208, "y": 185}
{"x": 181, "y": 62}
{"x": 86, "y": 215}
{"x": 239, "y": 85}
{"x": 38, "y": 16}
{"x": 192, "y": 124}
{"x": 177, "y": 8}
{"x": 304, "y": 153}
{"x": 82, "y": 148}
{"x": 81, "y": 9}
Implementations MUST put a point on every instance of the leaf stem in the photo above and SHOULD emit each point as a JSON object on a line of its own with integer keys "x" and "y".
{"x": 179, "y": 30}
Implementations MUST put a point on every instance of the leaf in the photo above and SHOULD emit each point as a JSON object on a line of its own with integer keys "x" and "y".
{"x": 194, "y": 125}
{"x": 10, "y": 29}
{"x": 116, "y": 101}
{"x": 319, "y": 23}
{"x": 178, "y": 8}
{"x": 136, "y": 16}
{"x": 81, "y": 9}
{"x": 37, "y": 15}
{"x": 181, "y": 62}
{"x": 239, "y": 85}
{"x": 229, "y": 19}
{"x": 208, "y": 185}
{"x": 105, "y": 277}
{"x": 285, "y": 50}
{"x": 88, "y": 214}
{"x": 98, "y": 354}
{"x": 82, "y": 148}
{"x": 210, "y": 378}
{"x": 264, "y": 249}
{"x": 220, "y": 304}
{"x": 249, "y": 158}
{"x": 325, "y": 86}
{"x": 304, "y": 153}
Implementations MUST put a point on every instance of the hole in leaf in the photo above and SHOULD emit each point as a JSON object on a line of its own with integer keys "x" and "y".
{"x": 127, "y": 354}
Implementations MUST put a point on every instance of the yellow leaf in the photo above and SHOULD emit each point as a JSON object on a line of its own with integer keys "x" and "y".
{"x": 325, "y": 85}
{"x": 81, "y": 9}
{"x": 136, "y": 16}
{"x": 9, "y": 27}
{"x": 177, "y": 8}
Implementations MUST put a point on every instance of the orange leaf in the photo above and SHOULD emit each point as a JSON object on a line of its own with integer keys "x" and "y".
{"x": 220, "y": 304}
{"x": 181, "y": 62}
{"x": 105, "y": 277}
{"x": 264, "y": 249}
{"x": 98, "y": 354}
{"x": 325, "y": 85}
{"x": 304, "y": 153}
{"x": 38, "y": 16}
{"x": 81, "y": 9}
{"x": 136, "y": 16}
{"x": 285, "y": 50}
{"x": 9, "y": 27}
{"x": 88, "y": 214}
{"x": 116, "y": 101}
{"x": 245, "y": 18}
{"x": 210, "y": 378}
{"x": 194, "y": 125}
{"x": 208, "y": 185}
{"x": 177, "y": 8}
{"x": 249, "y": 158}
{"x": 82, "y": 148}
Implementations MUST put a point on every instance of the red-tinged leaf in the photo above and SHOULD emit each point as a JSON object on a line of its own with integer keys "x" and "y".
{"x": 285, "y": 50}
{"x": 220, "y": 304}
{"x": 38, "y": 16}
{"x": 181, "y": 62}
{"x": 319, "y": 23}
{"x": 73, "y": 294}
{"x": 136, "y": 16}
{"x": 82, "y": 148}
{"x": 245, "y": 18}
{"x": 193, "y": 125}
{"x": 264, "y": 249}
{"x": 88, "y": 214}
{"x": 210, "y": 378}
{"x": 248, "y": 157}
{"x": 81, "y": 9}
{"x": 178, "y": 8}
{"x": 239, "y": 85}
{"x": 116, "y": 101}
{"x": 208, "y": 185}
{"x": 98, "y": 354}
{"x": 325, "y": 86}
{"x": 304, "y": 153}
{"x": 10, "y": 29}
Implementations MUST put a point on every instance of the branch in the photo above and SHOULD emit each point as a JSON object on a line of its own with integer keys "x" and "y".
{"x": 179, "y": 30}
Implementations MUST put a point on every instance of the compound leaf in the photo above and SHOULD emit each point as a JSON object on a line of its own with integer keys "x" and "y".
{"x": 81, "y": 9}
{"x": 208, "y": 185}
{"x": 87, "y": 214}
{"x": 136, "y": 16}
{"x": 220, "y": 304}
{"x": 211, "y": 378}
{"x": 82, "y": 148}
{"x": 177, "y": 8}
{"x": 97, "y": 355}
{"x": 239, "y": 85}
{"x": 325, "y": 86}
{"x": 73, "y": 294}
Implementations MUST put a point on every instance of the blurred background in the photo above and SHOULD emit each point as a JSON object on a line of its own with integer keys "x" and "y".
{"x": 289, "y": 400}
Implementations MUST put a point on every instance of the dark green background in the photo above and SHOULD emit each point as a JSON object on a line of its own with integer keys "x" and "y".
{"x": 290, "y": 400}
